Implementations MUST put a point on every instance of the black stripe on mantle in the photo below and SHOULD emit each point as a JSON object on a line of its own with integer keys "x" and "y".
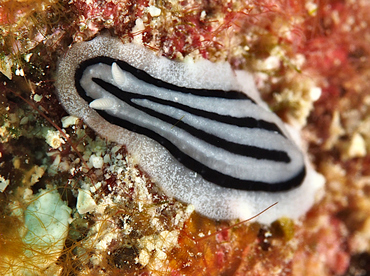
{"x": 207, "y": 173}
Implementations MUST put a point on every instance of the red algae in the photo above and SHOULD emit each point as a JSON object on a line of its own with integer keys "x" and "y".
{"x": 323, "y": 248}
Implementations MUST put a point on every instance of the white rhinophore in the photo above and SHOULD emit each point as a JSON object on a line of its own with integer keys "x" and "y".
{"x": 102, "y": 104}
{"x": 118, "y": 74}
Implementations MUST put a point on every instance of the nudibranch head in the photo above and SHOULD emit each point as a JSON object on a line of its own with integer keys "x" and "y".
{"x": 199, "y": 129}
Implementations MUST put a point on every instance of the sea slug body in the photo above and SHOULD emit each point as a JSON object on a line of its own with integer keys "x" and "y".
{"x": 199, "y": 129}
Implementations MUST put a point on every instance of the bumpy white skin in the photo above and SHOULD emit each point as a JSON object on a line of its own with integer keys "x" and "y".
{"x": 175, "y": 179}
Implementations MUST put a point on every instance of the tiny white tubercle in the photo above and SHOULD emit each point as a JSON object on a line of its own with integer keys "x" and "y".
{"x": 102, "y": 104}
{"x": 118, "y": 74}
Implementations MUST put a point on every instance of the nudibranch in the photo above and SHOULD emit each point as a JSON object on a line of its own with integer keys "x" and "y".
{"x": 198, "y": 129}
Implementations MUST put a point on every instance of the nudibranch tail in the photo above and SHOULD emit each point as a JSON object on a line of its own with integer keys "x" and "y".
{"x": 193, "y": 127}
